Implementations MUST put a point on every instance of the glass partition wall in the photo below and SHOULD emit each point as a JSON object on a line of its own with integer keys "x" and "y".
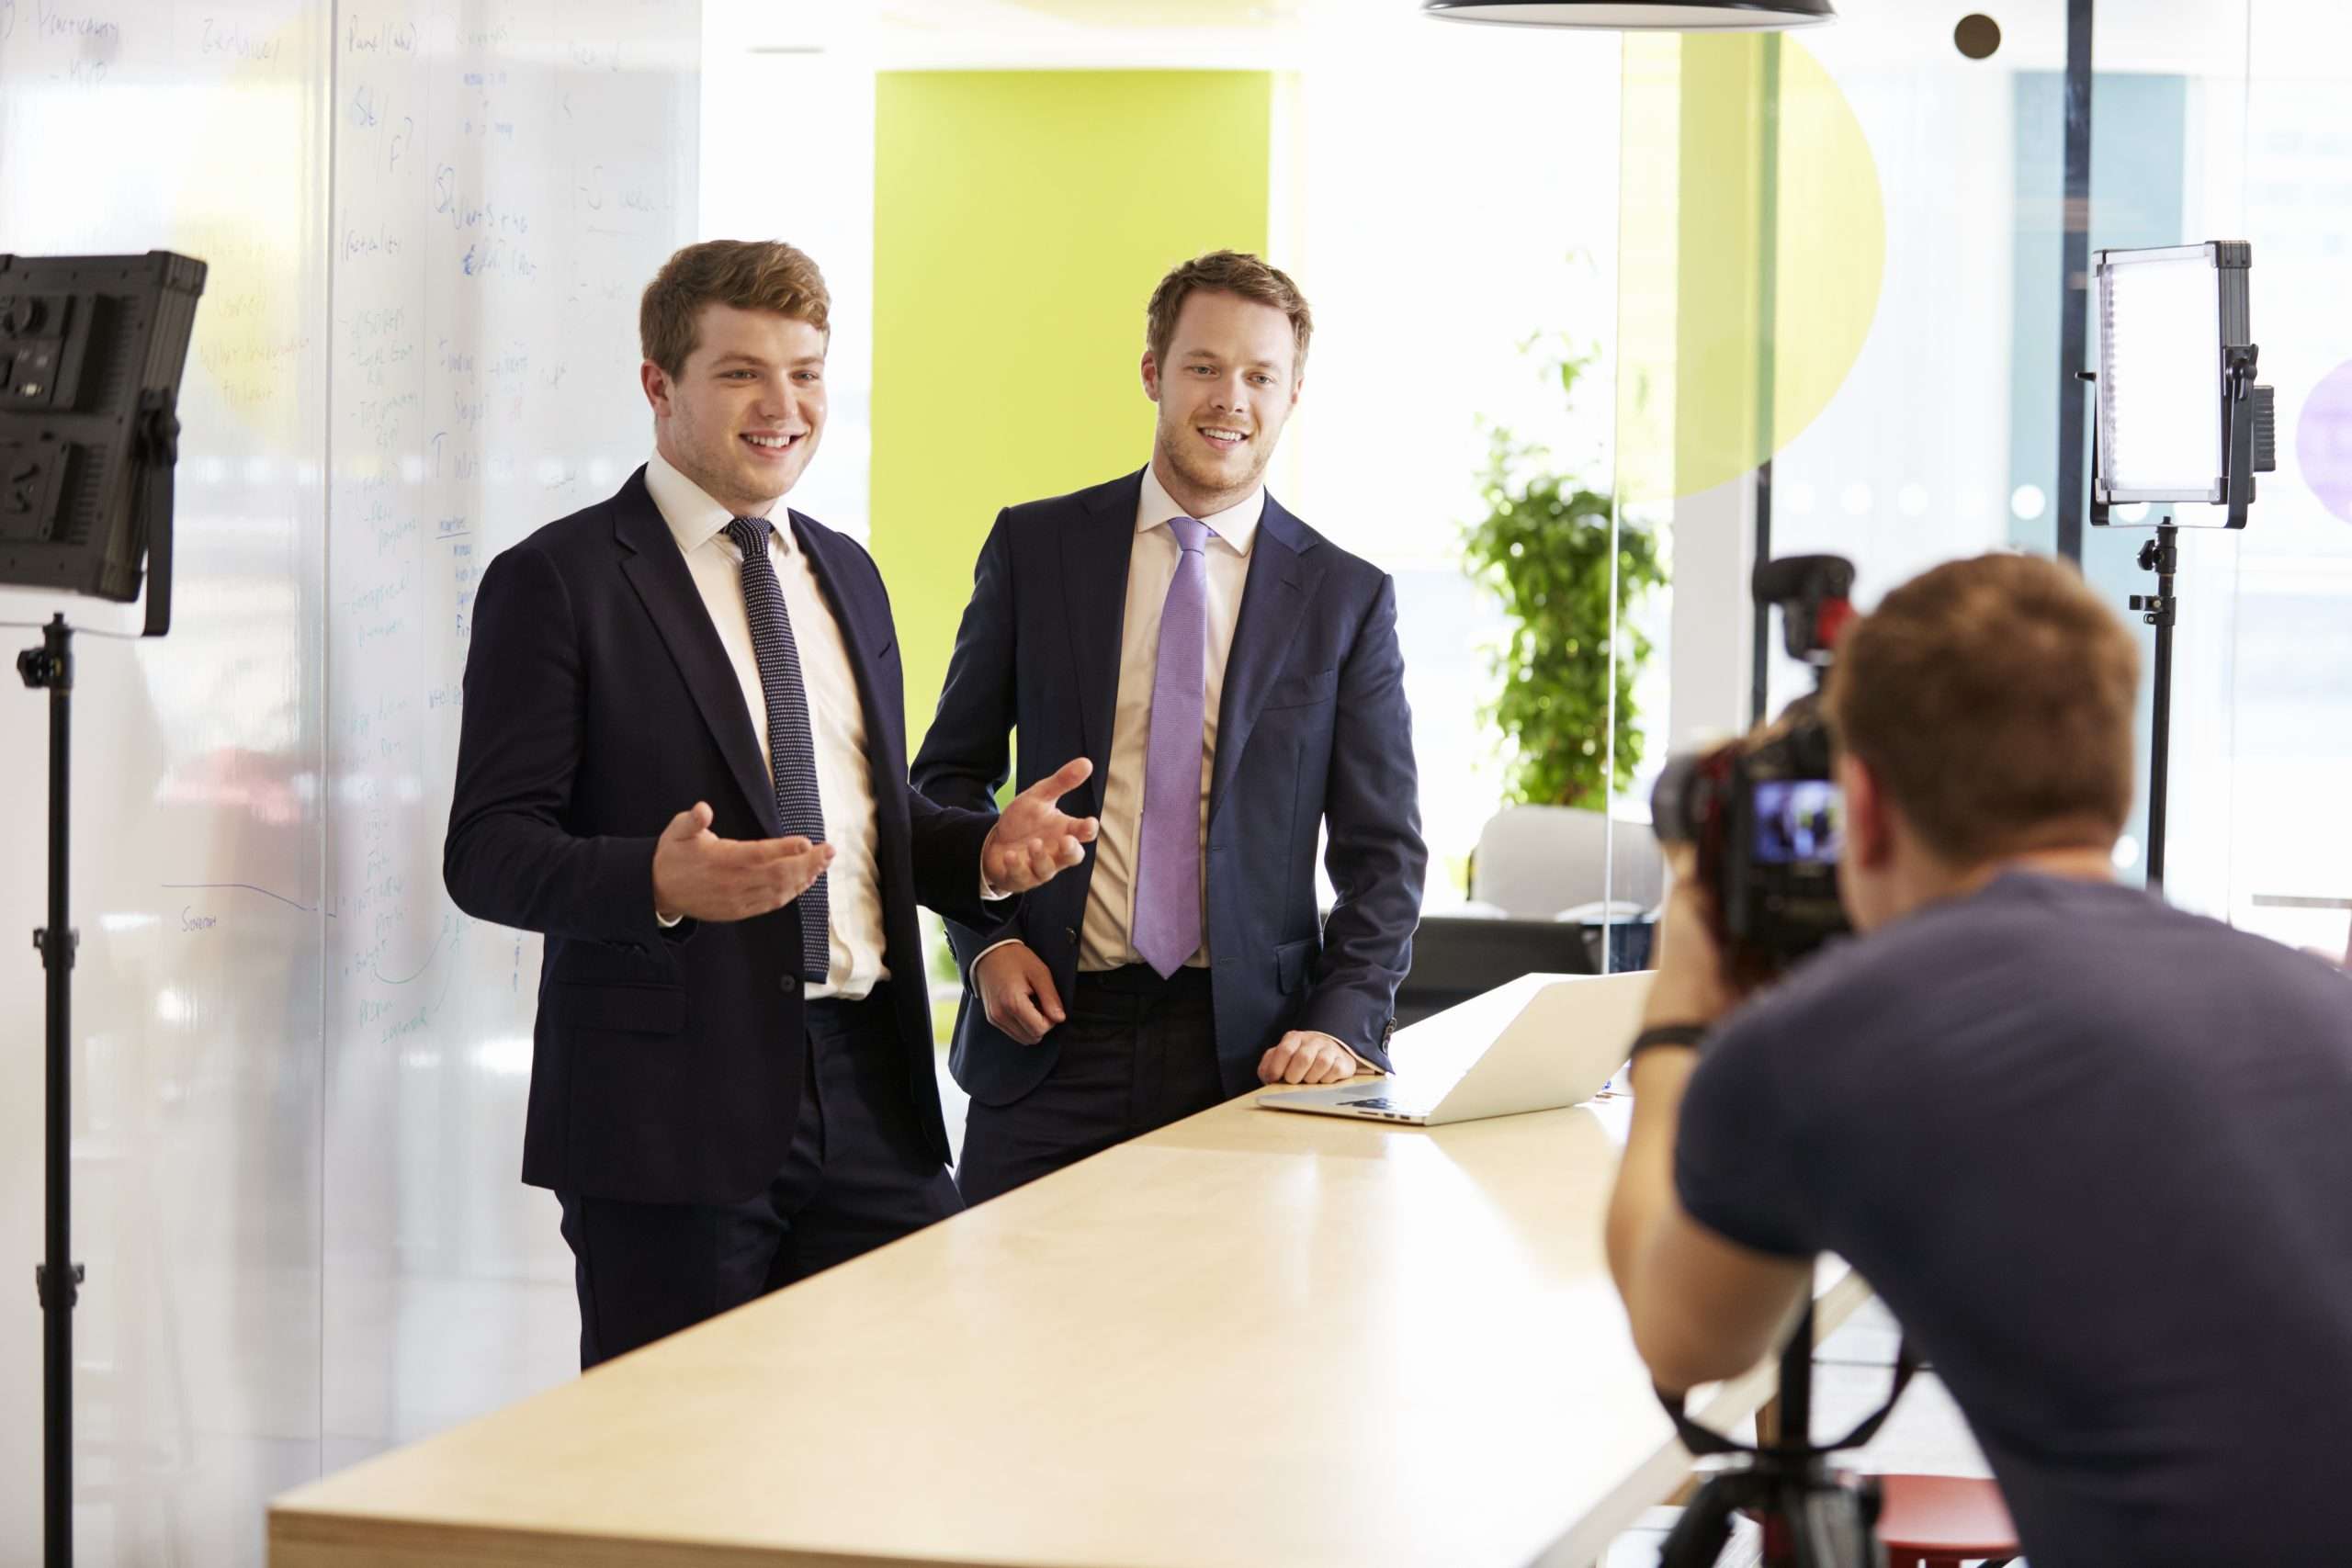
{"x": 1843, "y": 276}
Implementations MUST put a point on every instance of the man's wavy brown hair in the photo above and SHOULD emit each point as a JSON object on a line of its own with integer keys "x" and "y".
{"x": 751, "y": 274}
{"x": 1994, "y": 699}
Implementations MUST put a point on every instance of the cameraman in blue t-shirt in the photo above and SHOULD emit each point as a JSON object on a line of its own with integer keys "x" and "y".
{"x": 2095, "y": 1154}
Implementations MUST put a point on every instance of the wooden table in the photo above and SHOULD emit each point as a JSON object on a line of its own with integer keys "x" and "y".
{"x": 1249, "y": 1339}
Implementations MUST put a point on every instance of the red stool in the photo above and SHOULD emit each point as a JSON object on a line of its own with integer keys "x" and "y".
{"x": 1940, "y": 1521}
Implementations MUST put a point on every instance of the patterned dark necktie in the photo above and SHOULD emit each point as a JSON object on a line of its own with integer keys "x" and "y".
{"x": 792, "y": 749}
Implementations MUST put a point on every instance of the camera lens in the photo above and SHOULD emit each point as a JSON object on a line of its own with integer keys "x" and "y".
{"x": 1670, "y": 799}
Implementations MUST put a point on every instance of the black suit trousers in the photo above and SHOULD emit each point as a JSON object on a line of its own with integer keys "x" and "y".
{"x": 1136, "y": 1053}
{"x": 860, "y": 1173}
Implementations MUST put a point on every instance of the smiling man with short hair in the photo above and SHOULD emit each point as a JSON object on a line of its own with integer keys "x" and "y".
{"x": 684, "y": 760}
{"x": 1234, "y": 678}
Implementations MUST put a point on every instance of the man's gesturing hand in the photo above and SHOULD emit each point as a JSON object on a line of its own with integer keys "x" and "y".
{"x": 1033, "y": 842}
{"x": 698, "y": 873}
{"x": 1017, "y": 991}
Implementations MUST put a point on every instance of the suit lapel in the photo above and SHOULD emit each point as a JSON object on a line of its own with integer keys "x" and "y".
{"x": 1274, "y": 596}
{"x": 1097, "y": 543}
{"x": 658, "y": 572}
{"x": 866, "y": 641}
{"x": 864, "y": 616}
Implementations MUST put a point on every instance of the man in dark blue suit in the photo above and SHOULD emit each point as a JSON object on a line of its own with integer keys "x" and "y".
{"x": 684, "y": 760}
{"x": 1234, "y": 678}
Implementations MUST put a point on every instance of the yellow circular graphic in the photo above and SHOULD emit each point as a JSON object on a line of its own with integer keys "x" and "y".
{"x": 1750, "y": 261}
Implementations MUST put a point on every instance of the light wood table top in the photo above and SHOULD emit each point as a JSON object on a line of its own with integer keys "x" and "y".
{"x": 1249, "y": 1338}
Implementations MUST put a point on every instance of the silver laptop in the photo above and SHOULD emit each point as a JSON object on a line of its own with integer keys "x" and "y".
{"x": 1538, "y": 1043}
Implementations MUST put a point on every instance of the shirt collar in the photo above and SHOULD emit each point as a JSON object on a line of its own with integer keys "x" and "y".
{"x": 694, "y": 518}
{"x": 1237, "y": 524}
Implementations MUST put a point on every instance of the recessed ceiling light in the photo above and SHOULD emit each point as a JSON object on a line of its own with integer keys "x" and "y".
{"x": 1640, "y": 16}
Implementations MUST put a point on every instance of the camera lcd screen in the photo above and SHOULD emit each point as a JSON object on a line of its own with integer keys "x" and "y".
{"x": 1798, "y": 821}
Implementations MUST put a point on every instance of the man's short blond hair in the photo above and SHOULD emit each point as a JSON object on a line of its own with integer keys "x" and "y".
{"x": 1229, "y": 272}
{"x": 1994, "y": 699}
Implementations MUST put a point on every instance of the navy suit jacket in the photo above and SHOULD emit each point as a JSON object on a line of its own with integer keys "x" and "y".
{"x": 1312, "y": 729}
{"x": 667, "y": 1064}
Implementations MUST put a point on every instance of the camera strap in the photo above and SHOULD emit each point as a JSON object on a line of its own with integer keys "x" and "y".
{"x": 1703, "y": 1443}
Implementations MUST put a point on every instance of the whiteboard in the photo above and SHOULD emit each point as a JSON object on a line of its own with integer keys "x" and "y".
{"x": 299, "y": 1072}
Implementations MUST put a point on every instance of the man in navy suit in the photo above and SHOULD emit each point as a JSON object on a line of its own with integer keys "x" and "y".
{"x": 1234, "y": 678}
{"x": 684, "y": 760}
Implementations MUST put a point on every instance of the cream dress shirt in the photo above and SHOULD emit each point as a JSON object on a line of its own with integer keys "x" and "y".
{"x": 836, "y": 717}
{"x": 1103, "y": 938}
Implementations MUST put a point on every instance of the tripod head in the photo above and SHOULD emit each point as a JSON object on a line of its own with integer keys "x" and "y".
{"x": 1814, "y": 1516}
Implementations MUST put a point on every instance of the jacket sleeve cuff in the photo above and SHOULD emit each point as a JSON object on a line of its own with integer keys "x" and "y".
{"x": 1363, "y": 1063}
{"x": 973, "y": 967}
{"x": 1366, "y": 1038}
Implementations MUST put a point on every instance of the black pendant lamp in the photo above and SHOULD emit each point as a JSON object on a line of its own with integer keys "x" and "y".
{"x": 1640, "y": 16}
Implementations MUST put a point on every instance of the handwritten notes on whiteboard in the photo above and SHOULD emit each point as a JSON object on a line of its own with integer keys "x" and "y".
{"x": 507, "y": 178}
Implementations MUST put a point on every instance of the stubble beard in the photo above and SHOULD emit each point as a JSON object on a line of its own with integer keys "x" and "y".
{"x": 1209, "y": 481}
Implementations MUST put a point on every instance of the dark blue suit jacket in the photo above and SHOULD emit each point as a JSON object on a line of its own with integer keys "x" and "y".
{"x": 599, "y": 702}
{"x": 1312, "y": 729}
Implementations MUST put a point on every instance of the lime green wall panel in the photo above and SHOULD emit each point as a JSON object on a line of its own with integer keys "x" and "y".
{"x": 1021, "y": 219}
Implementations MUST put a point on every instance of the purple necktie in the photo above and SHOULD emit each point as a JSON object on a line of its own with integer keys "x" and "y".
{"x": 1168, "y": 858}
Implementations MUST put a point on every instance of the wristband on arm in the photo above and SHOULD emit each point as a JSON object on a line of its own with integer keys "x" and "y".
{"x": 1665, "y": 1034}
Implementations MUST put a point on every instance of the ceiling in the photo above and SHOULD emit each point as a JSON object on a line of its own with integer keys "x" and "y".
{"x": 2202, "y": 38}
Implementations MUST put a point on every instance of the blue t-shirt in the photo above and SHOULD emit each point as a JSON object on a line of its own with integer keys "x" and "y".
{"x": 2095, "y": 1154}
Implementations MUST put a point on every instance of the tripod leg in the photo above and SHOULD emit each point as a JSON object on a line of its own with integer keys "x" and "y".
{"x": 1698, "y": 1538}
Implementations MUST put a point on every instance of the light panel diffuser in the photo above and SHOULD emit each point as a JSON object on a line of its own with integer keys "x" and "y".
{"x": 2160, "y": 376}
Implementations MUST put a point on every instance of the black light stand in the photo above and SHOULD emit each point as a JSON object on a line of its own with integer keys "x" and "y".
{"x": 2251, "y": 432}
{"x": 59, "y": 1280}
{"x": 92, "y": 350}
{"x": 2160, "y": 555}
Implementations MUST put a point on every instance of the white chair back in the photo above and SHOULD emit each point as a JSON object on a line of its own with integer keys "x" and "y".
{"x": 1532, "y": 861}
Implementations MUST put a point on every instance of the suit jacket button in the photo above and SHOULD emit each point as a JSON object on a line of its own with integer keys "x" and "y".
{"x": 1070, "y": 936}
{"x": 787, "y": 984}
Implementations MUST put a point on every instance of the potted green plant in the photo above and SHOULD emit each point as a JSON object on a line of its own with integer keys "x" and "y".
{"x": 1545, "y": 550}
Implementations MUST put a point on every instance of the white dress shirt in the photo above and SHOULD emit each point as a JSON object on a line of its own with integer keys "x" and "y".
{"x": 836, "y": 717}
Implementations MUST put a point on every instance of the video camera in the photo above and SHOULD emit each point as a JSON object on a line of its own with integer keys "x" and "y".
{"x": 1762, "y": 811}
